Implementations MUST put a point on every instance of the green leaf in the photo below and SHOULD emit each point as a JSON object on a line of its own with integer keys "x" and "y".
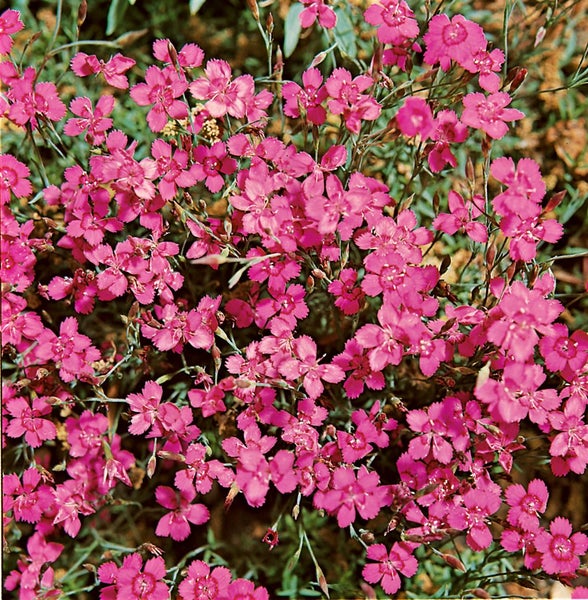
{"x": 345, "y": 34}
{"x": 116, "y": 11}
{"x": 292, "y": 29}
{"x": 195, "y": 6}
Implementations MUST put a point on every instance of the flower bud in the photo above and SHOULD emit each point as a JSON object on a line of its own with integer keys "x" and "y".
{"x": 151, "y": 466}
{"x": 454, "y": 562}
{"x": 480, "y": 593}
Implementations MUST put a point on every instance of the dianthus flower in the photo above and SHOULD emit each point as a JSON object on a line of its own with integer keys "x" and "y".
{"x": 349, "y": 296}
{"x": 525, "y": 234}
{"x": 564, "y": 352}
{"x": 161, "y": 89}
{"x": 489, "y": 113}
{"x": 309, "y": 98}
{"x": 27, "y": 500}
{"x": 210, "y": 164}
{"x": 355, "y": 360}
{"x": 203, "y": 583}
{"x": 462, "y": 217}
{"x": 176, "y": 524}
{"x": 487, "y": 64}
{"x": 447, "y": 129}
{"x": 569, "y": 446}
{"x": 9, "y": 23}
{"x": 113, "y": 70}
{"x": 93, "y": 121}
{"x": 190, "y": 56}
{"x": 561, "y": 551}
{"x": 27, "y": 420}
{"x": 395, "y": 19}
{"x": 31, "y": 102}
{"x": 458, "y": 40}
{"x": 71, "y": 499}
{"x": 526, "y": 505}
{"x": 243, "y": 589}
{"x": 13, "y": 178}
{"x": 348, "y": 101}
{"x": 142, "y": 582}
{"x": 173, "y": 168}
{"x": 352, "y": 492}
{"x": 317, "y": 9}
{"x": 385, "y": 571}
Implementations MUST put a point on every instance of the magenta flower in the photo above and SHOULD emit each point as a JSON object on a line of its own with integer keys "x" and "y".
{"x": 415, "y": 118}
{"x": 458, "y": 40}
{"x": 487, "y": 65}
{"x": 71, "y": 500}
{"x": 563, "y": 352}
{"x": 389, "y": 564}
{"x": 348, "y": 101}
{"x": 210, "y": 164}
{"x": 203, "y": 583}
{"x": 142, "y": 582}
{"x": 352, "y": 492}
{"x": 176, "y": 524}
{"x": 489, "y": 113}
{"x": 9, "y": 23}
{"x": 161, "y": 89}
{"x": 92, "y": 121}
{"x": 32, "y": 101}
{"x": 462, "y": 217}
{"x": 113, "y": 70}
{"x": 310, "y": 97}
{"x": 13, "y": 178}
{"x": 447, "y": 129}
{"x": 395, "y": 19}
{"x": 561, "y": 551}
{"x": 190, "y": 56}
{"x": 355, "y": 361}
{"x": 27, "y": 500}
{"x": 317, "y": 9}
{"x": 349, "y": 296}
{"x": 27, "y": 420}
{"x": 526, "y": 505}
{"x": 243, "y": 589}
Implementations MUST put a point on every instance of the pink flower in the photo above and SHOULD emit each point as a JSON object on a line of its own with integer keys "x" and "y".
{"x": 173, "y": 168}
{"x": 190, "y": 56}
{"x": 71, "y": 500}
{"x": 389, "y": 564}
{"x": 349, "y": 296}
{"x": 142, "y": 582}
{"x": 161, "y": 89}
{"x": 309, "y": 97}
{"x": 210, "y": 164}
{"x": 478, "y": 505}
{"x": 317, "y": 9}
{"x": 176, "y": 524}
{"x": 560, "y": 549}
{"x": 526, "y": 505}
{"x": 458, "y": 40}
{"x": 348, "y": 101}
{"x": 353, "y": 492}
{"x": 305, "y": 364}
{"x": 9, "y": 23}
{"x": 27, "y": 420}
{"x": 243, "y": 589}
{"x": 203, "y": 583}
{"x": 415, "y": 118}
{"x": 446, "y": 130}
{"x": 489, "y": 113}
{"x": 27, "y": 500}
{"x": 396, "y": 21}
{"x": 486, "y": 64}
{"x": 94, "y": 122}
{"x": 146, "y": 405}
{"x": 355, "y": 359}
{"x": 32, "y": 101}
{"x": 563, "y": 352}
{"x": 114, "y": 70}
{"x": 462, "y": 217}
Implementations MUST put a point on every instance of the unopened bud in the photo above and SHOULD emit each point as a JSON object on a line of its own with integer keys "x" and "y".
{"x": 555, "y": 201}
{"x": 252, "y": 4}
{"x": 470, "y": 171}
{"x": 480, "y": 593}
{"x": 454, "y": 562}
{"x": 516, "y": 77}
{"x": 269, "y": 24}
{"x": 89, "y": 567}
{"x": 296, "y": 511}
{"x": 151, "y": 466}
{"x": 82, "y": 12}
{"x": 540, "y": 36}
{"x": 367, "y": 536}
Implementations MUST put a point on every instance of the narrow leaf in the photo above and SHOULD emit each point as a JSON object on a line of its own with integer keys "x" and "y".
{"x": 345, "y": 34}
{"x": 292, "y": 29}
{"x": 116, "y": 12}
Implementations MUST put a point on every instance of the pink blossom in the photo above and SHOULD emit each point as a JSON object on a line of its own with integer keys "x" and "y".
{"x": 487, "y": 64}
{"x": 161, "y": 89}
{"x": 9, "y": 23}
{"x": 395, "y": 19}
{"x": 71, "y": 499}
{"x": 305, "y": 365}
{"x": 317, "y": 9}
{"x": 93, "y": 121}
{"x": 446, "y": 130}
{"x": 13, "y": 178}
{"x": 31, "y": 101}
{"x": 243, "y": 589}
{"x": 525, "y": 234}
{"x": 210, "y": 164}
{"x": 353, "y": 492}
{"x": 142, "y": 582}
{"x": 173, "y": 169}
{"x": 563, "y": 352}
{"x": 415, "y": 118}
{"x": 355, "y": 361}
{"x": 526, "y": 505}
{"x": 458, "y": 40}
{"x": 28, "y": 422}
{"x": 385, "y": 571}
{"x": 203, "y": 583}
{"x": 113, "y": 70}
{"x": 348, "y": 101}
{"x": 517, "y": 540}
{"x": 349, "y": 296}
{"x": 190, "y": 56}
{"x": 560, "y": 548}
{"x": 489, "y": 113}
{"x": 462, "y": 217}
{"x": 176, "y": 524}
{"x": 27, "y": 500}
{"x": 310, "y": 97}
{"x": 569, "y": 445}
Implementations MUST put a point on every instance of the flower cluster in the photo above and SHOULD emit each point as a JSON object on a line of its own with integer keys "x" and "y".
{"x": 278, "y": 328}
